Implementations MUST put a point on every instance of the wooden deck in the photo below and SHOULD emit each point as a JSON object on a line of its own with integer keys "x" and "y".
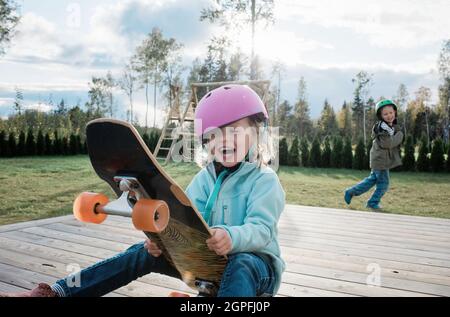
{"x": 329, "y": 252}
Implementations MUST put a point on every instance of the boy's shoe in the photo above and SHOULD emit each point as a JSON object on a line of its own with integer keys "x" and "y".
{"x": 348, "y": 197}
{"x": 374, "y": 207}
{"x": 42, "y": 290}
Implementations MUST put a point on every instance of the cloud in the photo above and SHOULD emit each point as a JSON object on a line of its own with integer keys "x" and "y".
{"x": 402, "y": 23}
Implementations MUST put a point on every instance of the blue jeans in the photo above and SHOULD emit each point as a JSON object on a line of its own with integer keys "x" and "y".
{"x": 380, "y": 178}
{"x": 246, "y": 274}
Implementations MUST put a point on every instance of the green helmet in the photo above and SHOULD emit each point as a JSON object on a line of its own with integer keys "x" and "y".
{"x": 384, "y": 103}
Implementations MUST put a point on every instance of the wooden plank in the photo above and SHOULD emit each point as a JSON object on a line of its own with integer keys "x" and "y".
{"x": 345, "y": 250}
{"x": 346, "y": 217}
{"x": 9, "y": 288}
{"x": 346, "y": 287}
{"x": 394, "y": 243}
{"x": 440, "y": 259}
{"x": 364, "y": 214}
{"x": 368, "y": 222}
{"x": 361, "y": 278}
{"x": 362, "y": 265}
{"x": 82, "y": 240}
{"x": 65, "y": 257}
{"x": 33, "y": 223}
{"x": 374, "y": 234}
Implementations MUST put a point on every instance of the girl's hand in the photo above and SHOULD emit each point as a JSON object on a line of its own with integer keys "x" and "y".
{"x": 220, "y": 242}
{"x": 152, "y": 248}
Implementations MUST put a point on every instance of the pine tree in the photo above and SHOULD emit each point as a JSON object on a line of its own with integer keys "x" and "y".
{"x": 79, "y": 144}
{"x": 315, "y": 154}
{"x": 423, "y": 164}
{"x": 367, "y": 160}
{"x": 21, "y": 145}
{"x": 448, "y": 158}
{"x": 3, "y": 144}
{"x": 48, "y": 145}
{"x": 437, "y": 161}
{"x": 304, "y": 152}
{"x": 12, "y": 145}
{"x": 294, "y": 153}
{"x": 73, "y": 148}
{"x": 65, "y": 150}
{"x": 40, "y": 143}
{"x": 30, "y": 143}
{"x": 283, "y": 152}
{"x": 146, "y": 139}
{"x": 347, "y": 154}
{"x": 336, "y": 153}
{"x": 409, "y": 161}
{"x": 326, "y": 154}
{"x": 57, "y": 148}
{"x": 360, "y": 155}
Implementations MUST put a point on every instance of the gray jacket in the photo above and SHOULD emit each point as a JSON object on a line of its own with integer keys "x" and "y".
{"x": 385, "y": 152}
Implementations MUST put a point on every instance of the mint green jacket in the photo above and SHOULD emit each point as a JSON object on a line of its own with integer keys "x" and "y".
{"x": 248, "y": 207}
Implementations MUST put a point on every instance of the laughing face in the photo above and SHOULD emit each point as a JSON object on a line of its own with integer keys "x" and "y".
{"x": 231, "y": 144}
{"x": 388, "y": 114}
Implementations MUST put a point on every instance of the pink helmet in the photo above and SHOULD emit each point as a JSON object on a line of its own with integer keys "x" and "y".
{"x": 225, "y": 105}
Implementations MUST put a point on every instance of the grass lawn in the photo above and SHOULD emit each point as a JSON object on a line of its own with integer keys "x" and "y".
{"x": 42, "y": 187}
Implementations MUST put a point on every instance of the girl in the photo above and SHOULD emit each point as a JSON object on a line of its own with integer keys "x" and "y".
{"x": 384, "y": 155}
{"x": 238, "y": 195}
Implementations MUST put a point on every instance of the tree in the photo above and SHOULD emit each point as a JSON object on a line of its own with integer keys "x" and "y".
{"x": 21, "y": 145}
{"x": 301, "y": 112}
{"x": 368, "y": 148}
{"x": 9, "y": 18}
{"x": 363, "y": 81}
{"x": 73, "y": 145}
{"x": 150, "y": 62}
{"x": 30, "y": 143}
{"x": 437, "y": 161}
{"x": 336, "y": 154}
{"x": 294, "y": 153}
{"x": 283, "y": 152}
{"x": 401, "y": 100}
{"x": 421, "y": 114}
{"x": 326, "y": 153}
{"x": 239, "y": 13}
{"x": 237, "y": 65}
{"x": 3, "y": 144}
{"x": 327, "y": 121}
{"x": 40, "y": 143}
{"x": 18, "y": 100}
{"x": 283, "y": 117}
{"x": 48, "y": 145}
{"x": 97, "y": 104}
{"x": 128, "y": 84}
{"x": 448, "y": 158}
{"x": 347, "y": 154}
{"x": 344, "y": 120}
{"x": 360, "y": 155}
{"x": 278, "y": 70}
{"x": 423, "y": 164}
{"x": 409, "y": 163}
{"x": 12, "y": 146}
{"x": 444, "y": 88}
{"x": 304, "y": 152}
{"x": 315, "y": 153}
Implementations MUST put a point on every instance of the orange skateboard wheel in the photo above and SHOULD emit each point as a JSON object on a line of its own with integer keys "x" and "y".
{"x": 85, "y": 206}
{"x": 150, "y": 215}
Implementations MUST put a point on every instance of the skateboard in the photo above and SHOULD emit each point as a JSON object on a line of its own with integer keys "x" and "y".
{"x": 154, "y": 202}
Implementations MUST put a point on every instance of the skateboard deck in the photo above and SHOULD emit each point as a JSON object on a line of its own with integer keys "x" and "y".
{"x": 156, "y": 204}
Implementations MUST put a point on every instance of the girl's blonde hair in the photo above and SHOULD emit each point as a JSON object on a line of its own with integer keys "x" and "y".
{"x": 263, "y": 151}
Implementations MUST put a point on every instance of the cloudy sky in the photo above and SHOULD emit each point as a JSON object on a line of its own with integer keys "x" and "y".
{"x": 62, "y": 44}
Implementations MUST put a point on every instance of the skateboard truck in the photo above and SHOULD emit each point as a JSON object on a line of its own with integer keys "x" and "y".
{"x": 147, "y": 214}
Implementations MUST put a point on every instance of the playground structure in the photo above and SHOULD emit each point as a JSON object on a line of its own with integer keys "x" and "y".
{"x": 179, "y": 124}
